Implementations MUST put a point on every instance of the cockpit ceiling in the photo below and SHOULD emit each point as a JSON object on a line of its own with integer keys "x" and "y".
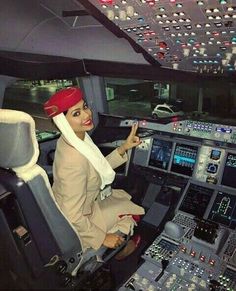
{"x": 189, "y": 35}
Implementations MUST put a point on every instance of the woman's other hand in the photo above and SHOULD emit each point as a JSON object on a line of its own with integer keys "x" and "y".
{"x": 132, "y": 140}
{"x": 112, "y": 240}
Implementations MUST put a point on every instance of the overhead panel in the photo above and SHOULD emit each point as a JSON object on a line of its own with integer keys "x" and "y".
{"x": 189, "y": 35}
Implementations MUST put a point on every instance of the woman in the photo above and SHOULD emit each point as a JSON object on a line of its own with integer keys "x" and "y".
{"x": 82, "y": 176}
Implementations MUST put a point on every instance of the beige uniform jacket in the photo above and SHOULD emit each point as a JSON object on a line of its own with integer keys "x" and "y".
{"x": 77, "y": 191}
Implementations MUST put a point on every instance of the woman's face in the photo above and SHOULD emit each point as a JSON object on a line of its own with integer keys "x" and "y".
{"x": 79, "y": 117}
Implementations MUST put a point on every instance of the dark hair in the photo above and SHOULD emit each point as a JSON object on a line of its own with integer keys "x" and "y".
{"x": 65, "y": 112}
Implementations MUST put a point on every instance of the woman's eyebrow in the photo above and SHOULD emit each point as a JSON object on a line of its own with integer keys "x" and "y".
{"x": 76, "y": 109}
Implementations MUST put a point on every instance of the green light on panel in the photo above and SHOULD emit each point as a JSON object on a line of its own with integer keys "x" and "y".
{"x": 191, "y": 40}
{"x": 223, "y": 1}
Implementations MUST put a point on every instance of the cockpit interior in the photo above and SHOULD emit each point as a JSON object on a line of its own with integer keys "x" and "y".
{"x": 168, "y": 66}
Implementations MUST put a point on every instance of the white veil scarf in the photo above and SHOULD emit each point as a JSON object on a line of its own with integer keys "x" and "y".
{"x": 87, "y": 148}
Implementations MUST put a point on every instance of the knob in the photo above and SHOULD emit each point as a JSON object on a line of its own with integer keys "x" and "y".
{"x": 144, "y": 281}
{"x": 203, "y": 283}
{"x": 61, "y": 266}
{"x": 151, "y": 288}
{"x": 194, "y": 279}
{"x": 168, "y": 285}
{"x": 136, "y": 276}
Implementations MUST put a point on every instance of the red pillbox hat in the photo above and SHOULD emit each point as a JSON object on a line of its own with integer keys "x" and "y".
{"x": 62, "y": 100}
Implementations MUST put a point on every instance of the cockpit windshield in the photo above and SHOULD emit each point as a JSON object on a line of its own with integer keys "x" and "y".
{"x": 147, "y": 99}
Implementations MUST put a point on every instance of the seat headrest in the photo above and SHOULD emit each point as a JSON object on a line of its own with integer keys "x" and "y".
{"x": 18, "y": 145}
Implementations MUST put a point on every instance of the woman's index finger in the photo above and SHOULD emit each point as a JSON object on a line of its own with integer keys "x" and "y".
{"x": 134, "y": 128}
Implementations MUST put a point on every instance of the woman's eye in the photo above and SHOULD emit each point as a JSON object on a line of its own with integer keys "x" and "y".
{"x": 77, "y": 113}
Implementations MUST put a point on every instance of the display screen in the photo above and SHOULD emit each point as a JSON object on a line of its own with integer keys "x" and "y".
{"x": 196, "y": 200}
{"x": 224, "y": 209}
{"x": 121, "y": 170}
{"x": 184, "y": 159}
{"x": 215, "y": 154}
{"x": 229, "y": 173}
{"x": 160, "y": 153}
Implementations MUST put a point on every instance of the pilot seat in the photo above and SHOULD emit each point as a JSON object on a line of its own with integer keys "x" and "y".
{"x": 39, "y": 246}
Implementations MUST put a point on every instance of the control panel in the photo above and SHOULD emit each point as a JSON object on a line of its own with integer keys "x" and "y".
{"x": 209, "y": 162}
{"x": 228, "y": 253}
{"x": 187, "y": 263}
{"x": 197, "y": 248}
{"x": 228, "y": 279}
{"x": 161, "y": 249}
{"x": 207, "y": 130}
{"x": 191, "y": 128}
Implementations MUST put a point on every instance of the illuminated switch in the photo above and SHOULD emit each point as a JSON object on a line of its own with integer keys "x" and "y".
{"x": 202, "y": 258}
{"x": 106, "y": 1}
{"x": 122, "y": 15}
{"x": 151, "y": 3}
{"x": 162, "y": 45}
{"x": 175, "y": 66}
{"x": 212, "y": 262}
{"x": 130, "y": 11}
{"x": 110, "y": 14}
{"x": 183, "y": 249}
{"x": 161, "y": 55}
{"x": 193, "y": 254}
{"x": 143, "y": 123}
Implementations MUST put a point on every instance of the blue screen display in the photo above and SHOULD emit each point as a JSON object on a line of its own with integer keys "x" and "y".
{"x": 184, "y": 159}
{"x": 160, "y": 153}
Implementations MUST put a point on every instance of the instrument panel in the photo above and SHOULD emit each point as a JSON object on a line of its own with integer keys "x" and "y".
{"x": 196, "y": 249}
{"x": 203, "y": 153}
{"x": 203, "y": 163}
